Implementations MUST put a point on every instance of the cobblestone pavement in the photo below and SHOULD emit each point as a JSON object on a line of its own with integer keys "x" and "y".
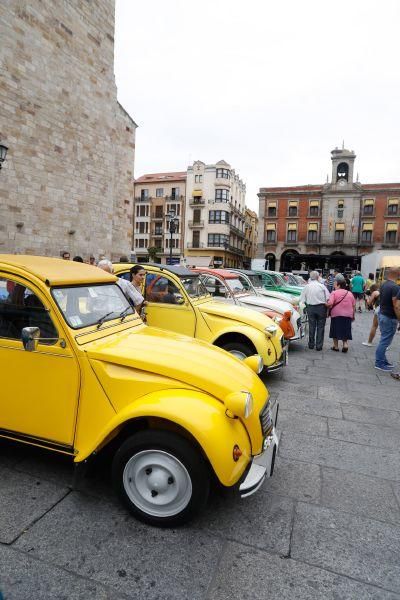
{"x": 326, "y": 526}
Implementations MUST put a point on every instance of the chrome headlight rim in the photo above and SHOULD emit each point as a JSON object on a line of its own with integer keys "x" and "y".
{"x": 249, "y": 404}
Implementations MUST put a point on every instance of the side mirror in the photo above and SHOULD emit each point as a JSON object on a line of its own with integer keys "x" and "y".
{"x": 30, "y": 338}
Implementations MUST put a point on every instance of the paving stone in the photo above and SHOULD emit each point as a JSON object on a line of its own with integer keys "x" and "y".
{"x": 377, "y": 462}
{"x": 23, "y": 499}
{"x": 297, "y": 480}
{"x": 347, "y": 544}
{"x": 116, "y": 550}
{"x": 360, "y": 494}
{"x": 363, "y": 414}
{"x": 12, "y": 453}
{"x": 291, "y": 420}
{"x": 24, "y": 578}
{"x": 385, "y": 399}
{"x": 248, "y": 574}
{"x": 369, "y": 434}
{"x": 310, "y": 405}
{"x": 262, "y": 520}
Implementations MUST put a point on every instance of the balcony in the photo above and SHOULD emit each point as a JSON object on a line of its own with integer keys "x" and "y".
{"x": 196, "y": 224}
{"x": 237, "y": 251}
{"x": 191, "y": 245}
{"x": 196, "y": 202}
{"x": 236, "y": 230}
{"x": 140, "y": 199}
{"x": 174, "y": 198}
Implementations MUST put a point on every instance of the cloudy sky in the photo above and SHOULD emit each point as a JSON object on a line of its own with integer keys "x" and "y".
{"x": 271, "y": 87}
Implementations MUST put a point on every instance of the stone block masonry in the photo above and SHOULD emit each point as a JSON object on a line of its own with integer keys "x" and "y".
{"x": 67, "y": 183}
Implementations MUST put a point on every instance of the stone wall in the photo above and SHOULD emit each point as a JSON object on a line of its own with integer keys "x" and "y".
{"x": 67, "y": 181}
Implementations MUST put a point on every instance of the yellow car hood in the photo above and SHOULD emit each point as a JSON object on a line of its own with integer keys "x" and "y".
{"x": 241, "y": 314}
{"x": 174, "y": 360}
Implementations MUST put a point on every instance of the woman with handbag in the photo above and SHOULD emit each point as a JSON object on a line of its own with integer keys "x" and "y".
{"x": 341, "y": 306}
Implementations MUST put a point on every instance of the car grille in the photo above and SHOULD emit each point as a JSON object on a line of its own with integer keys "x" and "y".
{"x": 265, "y": 419}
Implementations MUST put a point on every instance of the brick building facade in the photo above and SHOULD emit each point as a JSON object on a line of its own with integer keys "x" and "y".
{"x": 330, "y": 225}
{"x": 67, "y": 181}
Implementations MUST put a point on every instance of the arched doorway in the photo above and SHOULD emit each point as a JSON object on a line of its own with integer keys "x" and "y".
{"x": 290, "y": 260}
{"x": 270, "y": 261}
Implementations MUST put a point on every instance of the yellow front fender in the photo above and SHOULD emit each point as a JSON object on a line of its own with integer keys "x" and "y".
{"x": 201, "y": 415}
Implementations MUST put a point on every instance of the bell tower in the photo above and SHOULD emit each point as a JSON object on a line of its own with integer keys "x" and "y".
{"x": 343, "y": 167}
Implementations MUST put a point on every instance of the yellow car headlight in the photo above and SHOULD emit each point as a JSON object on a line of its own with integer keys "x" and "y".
{"x": 239, "y": 404}
{"x": 271, "y": 330}
{"x": 255, "y": 363}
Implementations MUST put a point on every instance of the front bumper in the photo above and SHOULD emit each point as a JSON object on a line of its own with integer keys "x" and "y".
{"x": 282, "y": 361}
{"x": 262, "y": 465}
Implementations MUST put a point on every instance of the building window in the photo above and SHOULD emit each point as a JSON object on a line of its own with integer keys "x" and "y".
{"x": 175, "y": 192}
{"x": 158, "y": 212}
{"x": 198, "y": 178}
{"x": 293, "y": 208}
{"x": 159, "y": 192}
{"x": 217, "y": 240}
{"x": 271, "y": 233}
{"x": 292, "y": 232}
{"x": 391, "y": 233}
{"x": 339, "y": 232}
{"x": 368, "y": 207}
{"x": 141, "y": 243}
{"x": 142, "y": 211}
{"x": 314, "y": 208}
{"x": 158, "y": 230}
{"x": 271, "y": 210}
{"x": 176, "y": 208}
{"x": 223, "y": 173}
{"x": 366, "y": 233}
{"x": 312, "y": 235}
{"x": 221, "y": 195}
{"x": 218, "y": 216}
{"x": 144, "y": 194}
{"x": 142, "y": 227}
{"x": 393, "y": 206}
{"x": 171, "y": 243}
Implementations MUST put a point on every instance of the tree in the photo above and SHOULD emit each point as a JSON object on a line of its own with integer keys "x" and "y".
{"x": 152, "y": 252}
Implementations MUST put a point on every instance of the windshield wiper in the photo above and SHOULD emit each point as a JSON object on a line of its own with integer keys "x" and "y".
{"x": 123, "y": 313}
{"x": 103, "y": 318}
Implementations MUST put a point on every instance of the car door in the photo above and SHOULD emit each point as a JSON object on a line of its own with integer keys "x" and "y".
{"x": 39, "y": 389}
{"x": 167, "y": 306}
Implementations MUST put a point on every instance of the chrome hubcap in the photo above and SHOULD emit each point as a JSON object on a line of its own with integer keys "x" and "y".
{"x": 157, "y": 483}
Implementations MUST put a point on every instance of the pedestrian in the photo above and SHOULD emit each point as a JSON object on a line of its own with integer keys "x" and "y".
{"x": 138, "y": 275}
{"x": 388, "y": 318}
{"x": 368, "y": 282}
{"x": 357, "y": 286}
{"x": 134, "y": 297}
{"x": 78, "y": 259}
{"x": 372, "y": 300}
{"x": 397, "y": 311}
{"x": 315, "y": 296}
{"x": 341, "y": 305}
{"x": 330, "y": 281}
{"x": 65, "y": 255}
{"x": 92, "y": 260}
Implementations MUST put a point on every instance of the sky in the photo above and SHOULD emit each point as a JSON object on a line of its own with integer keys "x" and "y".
{"x": 270, "y": 87}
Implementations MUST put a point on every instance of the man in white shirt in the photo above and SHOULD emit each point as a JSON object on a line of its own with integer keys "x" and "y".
{"x": 315, "y": 295}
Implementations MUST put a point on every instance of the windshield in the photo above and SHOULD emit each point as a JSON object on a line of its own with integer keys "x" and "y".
{"x": 83, "y": 306}
{"x": 236, "y": 286}
{"x": 277, "y": 279}
{"x": 291, "y": 279}
{"x": 256, "y": 280}
{"x": 194, "y": 286}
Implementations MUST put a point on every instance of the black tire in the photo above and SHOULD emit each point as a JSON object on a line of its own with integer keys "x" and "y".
{"x": 239, "y": 347}
{"x": 177, "y": 458}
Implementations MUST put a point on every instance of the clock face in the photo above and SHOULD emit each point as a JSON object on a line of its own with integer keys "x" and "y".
{"x": 341, "y": 182}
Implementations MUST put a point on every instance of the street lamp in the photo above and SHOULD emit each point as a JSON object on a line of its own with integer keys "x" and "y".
{"x": 3, "y": 154}
{"x": 225, "y": 244}
{"x": 172, "y": 226}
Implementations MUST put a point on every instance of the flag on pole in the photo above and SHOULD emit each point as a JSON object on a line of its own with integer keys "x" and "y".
{"x": 353, "y": 224}
{"x": 330, "y": 223}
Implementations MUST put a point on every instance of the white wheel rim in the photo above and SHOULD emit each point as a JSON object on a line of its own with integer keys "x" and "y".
{"x": 157, "y": 483}
{"x": 238, "y": 354}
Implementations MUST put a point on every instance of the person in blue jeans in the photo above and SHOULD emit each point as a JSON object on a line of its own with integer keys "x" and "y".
{"x": 389, "y": 317}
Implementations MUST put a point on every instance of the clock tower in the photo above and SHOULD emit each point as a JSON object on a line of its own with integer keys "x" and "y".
{"x": 342, "y": 167}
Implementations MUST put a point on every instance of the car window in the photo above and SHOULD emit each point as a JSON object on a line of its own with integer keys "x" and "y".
{"x": 161, "y": 289}
{"x": 215, "y": 287}
{"x": 19, "y": 308}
